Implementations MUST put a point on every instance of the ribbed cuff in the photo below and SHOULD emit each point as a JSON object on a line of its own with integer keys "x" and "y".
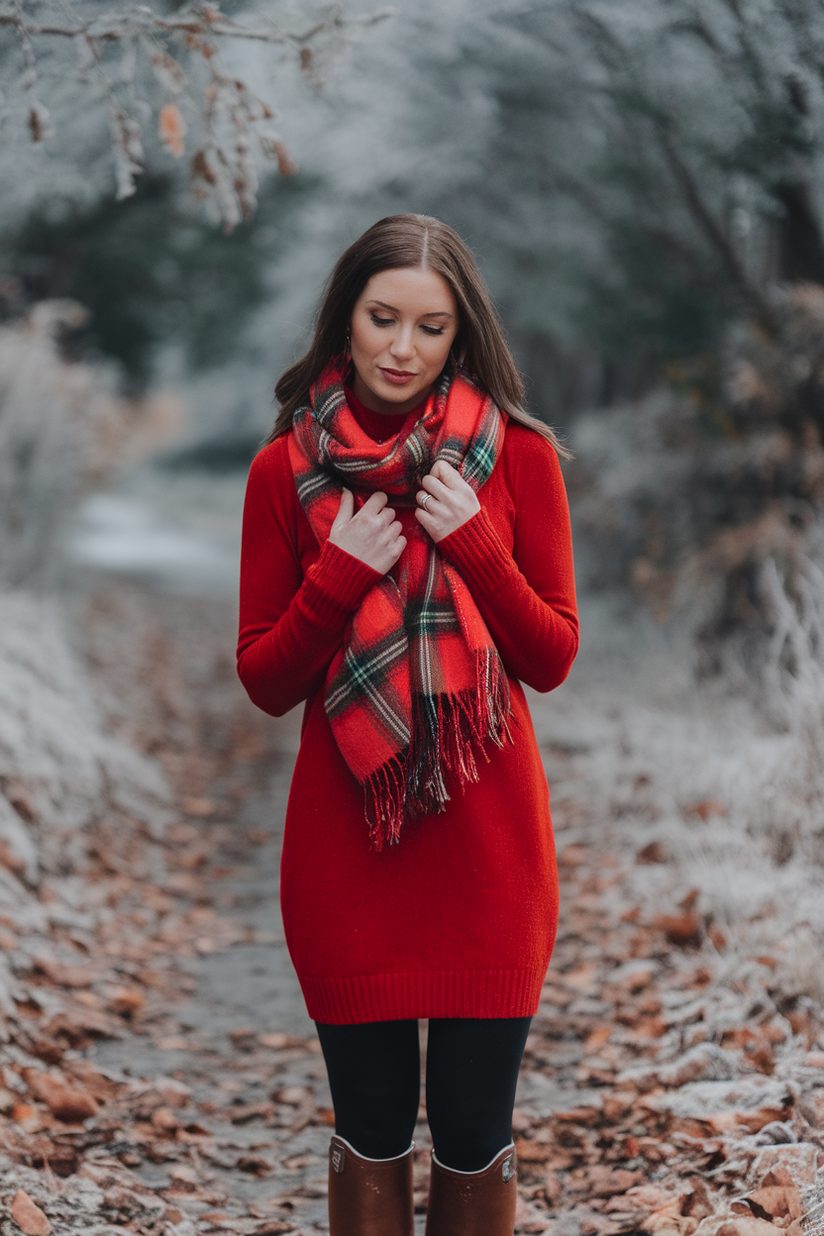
{"x": 337, "y": 583}
{"x": 478, "y": 552}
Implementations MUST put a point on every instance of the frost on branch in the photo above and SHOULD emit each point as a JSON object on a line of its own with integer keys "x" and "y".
{"x": 128, "y": 152}
{"x": 164, "y": 73}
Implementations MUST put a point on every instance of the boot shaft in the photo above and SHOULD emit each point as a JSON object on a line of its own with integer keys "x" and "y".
{"x": 473, "y": 1203}
{"x": 369, "y": 1197}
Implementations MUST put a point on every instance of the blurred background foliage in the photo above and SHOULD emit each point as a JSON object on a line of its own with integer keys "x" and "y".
{"x": 150, "y": 274}
{"x": 642, "y": 184}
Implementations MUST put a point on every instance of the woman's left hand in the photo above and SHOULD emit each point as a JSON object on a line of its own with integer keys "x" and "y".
{"x": 449, "y": 501}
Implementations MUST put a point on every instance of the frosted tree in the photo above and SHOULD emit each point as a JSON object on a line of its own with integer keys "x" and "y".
{"x": 701, "y": 165}
{"x": 644, "y": 183}
{"x": 174, "y": 77}
{"x": 648, "y": 169}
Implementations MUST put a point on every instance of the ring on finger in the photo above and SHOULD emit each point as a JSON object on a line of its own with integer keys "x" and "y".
{"x": 423, "y": 501}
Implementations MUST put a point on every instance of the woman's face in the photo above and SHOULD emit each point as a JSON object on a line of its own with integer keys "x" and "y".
{"x": 403, "y": 325}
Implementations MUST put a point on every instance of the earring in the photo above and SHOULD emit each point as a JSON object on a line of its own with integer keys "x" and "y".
{"x": 344, "y": 360}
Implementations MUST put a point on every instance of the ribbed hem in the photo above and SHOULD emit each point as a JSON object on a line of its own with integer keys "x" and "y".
{"x": 361, "y": 998}
{"x": 478, "y": 552}
{"x": 336, "y": 583}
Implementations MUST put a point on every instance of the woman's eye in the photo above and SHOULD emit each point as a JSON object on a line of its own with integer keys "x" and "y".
{"x": 381, "y": 321}
{"x": 433, "y": 330}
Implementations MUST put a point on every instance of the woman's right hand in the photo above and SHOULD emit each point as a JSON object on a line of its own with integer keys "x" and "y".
{"x": 373, "y": 534}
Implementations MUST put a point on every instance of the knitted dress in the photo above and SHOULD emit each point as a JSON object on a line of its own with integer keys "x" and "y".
{"x": 459, "y": 918}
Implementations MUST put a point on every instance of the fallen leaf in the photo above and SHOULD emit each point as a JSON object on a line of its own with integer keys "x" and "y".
{"x": 534, "y": 1152}
{"x": 165, "y": 1119}
{"x": 654, "y": 852}
{"x": 582, "y": 979}
{"x": 29, "y": 1217}
{"x": 744, "y": 1226}
{"x": 697, "y": 1201}
{"x": 648, "y": 1197}
{"x": 132, "y": 1201}
{"x": 80, "y": 1025}
{"x": 794, "y": 1163}
{"x": 254, "y": 1165}
{"x": 276, "y": 1040}
{"x": 573, "y": 855}
{"x": 26, "y": 1116}
{"x": 125, "y": 1001}
{"x": 48, "y": 1050}
{"x": 70, "y": 1104}
{"x": 65, "y": 975}
{"x": 669, "y": 1220}
{"x": 293, "y": 1096}
{"x": 774, "y": 1201}
{"x": 244, "y": 1039}
{"x": 243, "y": 1112}
{"x": 603, "y": 1181}
{"x": 184, "y": 1178}
{"x": 198, "y": 807}
{"x": 553, "y": 1189}
{"x": 21, "y": 798}
{"x": 599, "y": 1036}
{"x": 706, "y": 808}
{"x": 102, "y": 1087}
{"x": 681, "y": 929}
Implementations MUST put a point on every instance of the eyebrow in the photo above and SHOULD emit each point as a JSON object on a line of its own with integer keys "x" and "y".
{"x": 440, "y": 313}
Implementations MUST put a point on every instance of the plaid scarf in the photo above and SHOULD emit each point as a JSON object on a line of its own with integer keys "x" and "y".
{"x": 418, "y": 686}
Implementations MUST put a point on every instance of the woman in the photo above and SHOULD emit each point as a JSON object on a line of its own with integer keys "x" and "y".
{"x": 406, "y": 564}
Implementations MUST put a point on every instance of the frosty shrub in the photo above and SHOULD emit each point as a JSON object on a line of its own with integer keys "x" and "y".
{"x": 61, "y": 427}
{"x": 60, "y": 770}
{"x": 688, "y": 496}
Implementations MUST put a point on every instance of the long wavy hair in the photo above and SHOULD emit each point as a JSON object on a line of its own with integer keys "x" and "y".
{"x": 479, "y": 348}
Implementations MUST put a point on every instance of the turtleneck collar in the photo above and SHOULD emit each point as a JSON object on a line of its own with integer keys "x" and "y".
{"x": 381, "y": 426}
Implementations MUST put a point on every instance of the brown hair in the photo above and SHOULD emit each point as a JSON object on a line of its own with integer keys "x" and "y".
{"x": 398, "y": 242}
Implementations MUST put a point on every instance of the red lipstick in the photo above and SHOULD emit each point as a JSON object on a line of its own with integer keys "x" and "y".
{"x": 399, "y": 377}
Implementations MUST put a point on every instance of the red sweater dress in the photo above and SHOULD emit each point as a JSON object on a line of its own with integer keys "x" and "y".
{"x": 459, "y": 918}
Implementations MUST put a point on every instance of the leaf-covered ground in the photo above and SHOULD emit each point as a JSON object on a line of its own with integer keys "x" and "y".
{"x": 159, "y": 1073}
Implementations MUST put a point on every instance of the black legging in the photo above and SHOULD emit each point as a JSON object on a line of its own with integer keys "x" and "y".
{"x": 471, "y": 1073}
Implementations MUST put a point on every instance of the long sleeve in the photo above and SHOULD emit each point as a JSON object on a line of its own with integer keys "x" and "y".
{"x": 291, "y": 623}
{"x": 526, "y": 595}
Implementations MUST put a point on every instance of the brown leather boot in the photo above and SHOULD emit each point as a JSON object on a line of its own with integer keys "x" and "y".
{"x": 473, "y": 1203}
{"x": 369, "y": 1197}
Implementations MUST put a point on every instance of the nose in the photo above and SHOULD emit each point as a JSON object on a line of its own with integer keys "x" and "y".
{"x": 402, "y": 345}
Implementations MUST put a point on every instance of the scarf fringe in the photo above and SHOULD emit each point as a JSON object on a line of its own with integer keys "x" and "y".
{"x": 449, "y": 730}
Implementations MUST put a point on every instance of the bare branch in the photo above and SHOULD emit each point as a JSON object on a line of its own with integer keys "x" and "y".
{"x": 227, "y": 111}
{"x": 713, "y": 231}
{"x": 141, "y": 20}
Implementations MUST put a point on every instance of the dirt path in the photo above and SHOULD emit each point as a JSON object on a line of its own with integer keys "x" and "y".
{"x": 163, "y": 1077}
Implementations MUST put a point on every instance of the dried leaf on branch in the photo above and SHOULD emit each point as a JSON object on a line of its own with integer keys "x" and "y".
{"x": 126, "y": 53}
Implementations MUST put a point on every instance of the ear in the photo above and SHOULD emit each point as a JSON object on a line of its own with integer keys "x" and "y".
{"x": 457, "y": 353}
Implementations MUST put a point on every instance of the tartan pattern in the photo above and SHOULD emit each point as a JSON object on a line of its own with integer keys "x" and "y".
{"x": 417, "y": 687}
